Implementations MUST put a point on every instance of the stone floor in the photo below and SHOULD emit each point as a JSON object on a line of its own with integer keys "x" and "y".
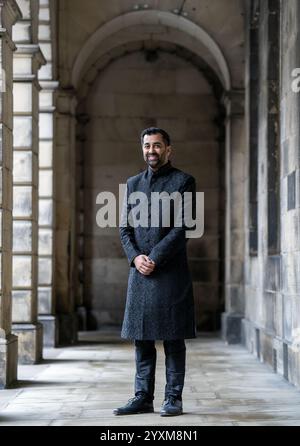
{"x": 80, "y": 385}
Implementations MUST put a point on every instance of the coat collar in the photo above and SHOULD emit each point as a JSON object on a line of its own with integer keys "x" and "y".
{"x": 161, "y": 171}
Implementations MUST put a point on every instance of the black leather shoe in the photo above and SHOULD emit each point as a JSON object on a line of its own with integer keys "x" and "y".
{"x": 171, "y": 407}
{"x": 139, "y": 404}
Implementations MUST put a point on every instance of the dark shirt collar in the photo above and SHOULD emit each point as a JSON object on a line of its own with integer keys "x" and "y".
{"x": 161, "y": 171}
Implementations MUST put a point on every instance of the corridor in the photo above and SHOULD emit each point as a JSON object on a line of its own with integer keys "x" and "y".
{"x": 80, "y": 82}
{"x": 81, "y": 384}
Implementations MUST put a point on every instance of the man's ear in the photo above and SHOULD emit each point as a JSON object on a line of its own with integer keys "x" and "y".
{"x": 169, "y": 149}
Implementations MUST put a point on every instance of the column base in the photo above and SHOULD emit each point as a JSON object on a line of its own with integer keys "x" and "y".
{"x": 50, "y": 329}
{"x": 8, "y": 360}
{"x": 68, "y": 329}
{"x": 279, "y": 354}
{"x": 30, "y": 340}
{"x": 232, "y": 328}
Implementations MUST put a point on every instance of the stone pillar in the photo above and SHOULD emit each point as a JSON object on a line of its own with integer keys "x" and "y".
{"x": 27, "y": 61}
{"x": 46, "y": 294}
{"x": 47, "y": 75}
{"x": 9, "y": 13}
{"x": 286, "y": 345}
{"x": 235, "y": 205}
{"x": 82, "y": 306}
{"x": 65, "y": 200}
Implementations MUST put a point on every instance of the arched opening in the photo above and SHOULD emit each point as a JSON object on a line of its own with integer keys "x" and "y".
{"x": 165, "y": 85}
{"x": 125, "y": 30}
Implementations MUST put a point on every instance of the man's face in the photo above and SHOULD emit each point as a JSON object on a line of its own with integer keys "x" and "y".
{"x": 156, "y": 152}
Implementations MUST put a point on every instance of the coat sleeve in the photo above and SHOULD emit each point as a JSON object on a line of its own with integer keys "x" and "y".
{"x": 126, "y": 232}
{"x": 175, "y": 241}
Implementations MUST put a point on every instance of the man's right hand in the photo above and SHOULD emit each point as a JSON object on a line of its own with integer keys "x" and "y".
{"x": 144, "y": 265}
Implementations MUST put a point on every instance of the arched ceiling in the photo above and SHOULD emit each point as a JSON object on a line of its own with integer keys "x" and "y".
{"x": 152, "y": 51}
{"x": 155, "y": 26}
{"x": 213, "y": 29}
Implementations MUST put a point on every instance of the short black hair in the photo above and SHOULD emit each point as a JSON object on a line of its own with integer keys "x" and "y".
{"x": 155, "y": 131}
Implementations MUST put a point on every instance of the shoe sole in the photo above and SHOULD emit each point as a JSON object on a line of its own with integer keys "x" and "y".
{"x": 134, "y": 413}
{"x": 162, "y": 414}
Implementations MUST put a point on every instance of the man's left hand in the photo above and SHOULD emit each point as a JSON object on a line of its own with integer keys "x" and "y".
{"x": 146, "y": 267}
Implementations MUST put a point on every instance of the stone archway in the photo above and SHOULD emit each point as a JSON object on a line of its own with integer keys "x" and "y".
{"x": 123, "y": 35}
{"x": 130, "y": 94}
{"x": 152, "y": 25}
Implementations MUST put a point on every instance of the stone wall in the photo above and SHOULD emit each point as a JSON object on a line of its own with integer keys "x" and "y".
{"x": 129, "y": 95}
{"x": 9, "y": 14}
{"x": 28, "y": 59}
{"x": 221, "y": 19}
{"x": 272, "y": 286}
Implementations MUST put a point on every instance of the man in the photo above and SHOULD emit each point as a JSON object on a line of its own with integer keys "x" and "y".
{"x": 160, "y": 303}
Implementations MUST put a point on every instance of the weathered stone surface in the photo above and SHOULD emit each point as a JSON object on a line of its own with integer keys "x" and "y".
{"x": 67, "y": 328}
{"x": 9, "y": 13}
{"x": 272, "y": 274}
{"x": 247, "y": 263}
{"x": 81, "y": 385}
{"x": 231, "y": 328}
{"x": 25, "y": 172}
{"x": 118, "y": 109}
{"x": 30, "y": 339}
{"x": 50, "y": 330}
{"x": 8, "y": 361}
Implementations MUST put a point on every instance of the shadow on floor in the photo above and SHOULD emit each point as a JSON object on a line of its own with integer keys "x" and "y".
{"x": 90, "y": 361}
{"x": 34, "y": 383}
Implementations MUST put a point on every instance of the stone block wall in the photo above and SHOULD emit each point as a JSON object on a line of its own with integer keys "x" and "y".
{"x": 272, "y": 274}
{"x": 128, "y": 96}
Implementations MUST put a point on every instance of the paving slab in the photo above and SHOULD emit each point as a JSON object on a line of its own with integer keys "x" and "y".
{"x": 80, "y": 385}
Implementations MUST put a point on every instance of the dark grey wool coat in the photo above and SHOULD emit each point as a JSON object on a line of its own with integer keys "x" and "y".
{"x": 159, "y": 306}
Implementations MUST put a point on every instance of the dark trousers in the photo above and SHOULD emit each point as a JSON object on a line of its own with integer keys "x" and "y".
{"x": 145, "y": 358}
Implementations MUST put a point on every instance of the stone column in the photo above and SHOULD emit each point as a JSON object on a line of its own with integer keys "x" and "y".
{"x": 46, "y": 294}
{"x": 9, "y": 13}
{"x": 27, "y": 61}
{"x": 65, "y": 200}
{"x": 82, "y": 306}
{"x": 286, "y": 345}
{"x": 47, "y": 75}
{"x": 235, "y": 205}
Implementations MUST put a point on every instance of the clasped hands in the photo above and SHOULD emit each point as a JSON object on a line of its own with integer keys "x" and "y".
{"x": 144, "y": 264}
